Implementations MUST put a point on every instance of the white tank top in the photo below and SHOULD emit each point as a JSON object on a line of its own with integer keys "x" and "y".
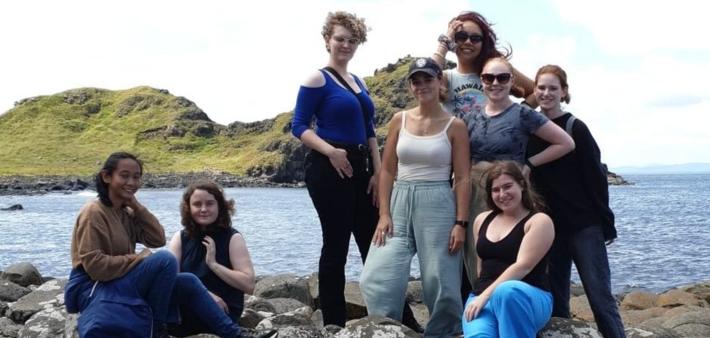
{"x": 423, "y": 158}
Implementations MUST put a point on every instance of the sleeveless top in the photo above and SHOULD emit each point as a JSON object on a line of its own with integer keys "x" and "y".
{"x": 423, "y": 158}
{"x": 498, "y": 256}
{"x": 193, "y": 261}
{"x": 465, "y": 94}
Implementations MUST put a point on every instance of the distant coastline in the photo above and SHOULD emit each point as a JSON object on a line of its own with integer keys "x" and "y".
{"x": 37, "y": 185}
{"x": 686, "y": 168}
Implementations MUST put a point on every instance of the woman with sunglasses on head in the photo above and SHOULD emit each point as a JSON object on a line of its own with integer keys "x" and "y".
{"x": 213, "y": 257}
{"x": 343, "y": 163}
{"x": 501, "y": 132}
{"x": 472, "y": 38}
{"x": 424, "y": 216}
{"x": 576, "y": 191}
{"x": 511, "y": 297}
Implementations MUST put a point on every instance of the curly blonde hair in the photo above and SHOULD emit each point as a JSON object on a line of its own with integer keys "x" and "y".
{"x": 348, "y": 20}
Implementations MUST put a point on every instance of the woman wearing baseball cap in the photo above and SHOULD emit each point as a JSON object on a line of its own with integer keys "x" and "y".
{"x": 421, "y": 214}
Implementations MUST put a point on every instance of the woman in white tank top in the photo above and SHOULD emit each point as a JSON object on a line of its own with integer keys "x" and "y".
{"x": 421, "y": 214}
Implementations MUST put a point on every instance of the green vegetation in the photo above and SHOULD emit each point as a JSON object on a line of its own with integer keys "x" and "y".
{"x": 70, "y": 133}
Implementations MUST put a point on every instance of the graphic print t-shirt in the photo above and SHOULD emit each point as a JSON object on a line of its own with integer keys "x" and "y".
{"x": 465, "y": 94}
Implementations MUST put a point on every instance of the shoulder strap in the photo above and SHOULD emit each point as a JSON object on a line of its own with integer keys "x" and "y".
{"x": 347, "y": 86}
{"x": 448, "y": 124}
{"x": 404, "y": 118}
{"x": 570, "y": 123}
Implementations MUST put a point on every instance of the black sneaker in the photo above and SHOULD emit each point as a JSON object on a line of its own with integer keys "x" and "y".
{"x": 251, "y": 333}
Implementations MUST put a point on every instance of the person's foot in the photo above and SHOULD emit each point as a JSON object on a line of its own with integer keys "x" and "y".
{"x": 251, "y": 333}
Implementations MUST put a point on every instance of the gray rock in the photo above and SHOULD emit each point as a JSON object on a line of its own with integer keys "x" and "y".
{"x": 260, "y": 305}
{"x": 567, "y": 328}
{"x": 650, "y": 332}
{"x": 48, "y": 323}
{"x": 414, "y": 292}
{"x": 284, "y": 286}
{"x": 250, "y": 318}
{"x": 283, "y": 305}
{"x": 3, "y": 307}
{"x": 8, "y": 328}
{"x": 313, "y": 287}
{"x": 690, "y": 324}
{"x": 376, "y": 326}
{"x": 332, "y": 329}
{"x": 286, "y": 319}
{"x": 354, "y": 304}
{"x": 317, "y": 318}
{"x": 302, "y": 332}
{"x": 48, "y": 295}
{"x": 70, "y": 329}
{"x": 22, "y": 274}
{"x": 10, "y": 292}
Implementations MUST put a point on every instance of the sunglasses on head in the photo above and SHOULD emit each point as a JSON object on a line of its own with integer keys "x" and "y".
{"x": 502, "y": 78}
{"x": 461, "y": 37}
{"x": 352, "y": 41}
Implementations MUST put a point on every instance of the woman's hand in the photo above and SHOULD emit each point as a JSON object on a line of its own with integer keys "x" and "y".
{"x": 208, "y": 242}
{"x": 372, "y": 187}
{"x": 339, "y": 159}
{"x": 458, "y": 236}
{"x": 454, "y": 26}
{"x": 220, "y": 302}
{"x": 132, "y": 203}
{"x": 474, "y": 308}
{"x": 384, "y": 229}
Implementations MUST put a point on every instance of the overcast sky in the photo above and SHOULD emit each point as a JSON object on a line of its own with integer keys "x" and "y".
{"x": 636, "y": 68}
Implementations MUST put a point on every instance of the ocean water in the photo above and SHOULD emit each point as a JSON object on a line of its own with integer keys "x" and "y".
{"x": 662, "y": 222}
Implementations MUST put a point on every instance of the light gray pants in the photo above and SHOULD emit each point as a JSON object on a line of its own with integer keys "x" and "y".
{"x": 423, "y": 215}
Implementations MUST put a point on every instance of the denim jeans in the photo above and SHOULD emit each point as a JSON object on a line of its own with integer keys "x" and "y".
{"x": 515, "y": 309}
{"x": 203, "y": 315}
{"x": 154, "y": 278}
{"x": 588, "y": 251}
{"x": 423, "y": 215}
{"x": 344, "y": 208}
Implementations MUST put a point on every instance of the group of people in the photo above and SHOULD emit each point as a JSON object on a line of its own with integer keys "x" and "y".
{"x": 531, "y": 184}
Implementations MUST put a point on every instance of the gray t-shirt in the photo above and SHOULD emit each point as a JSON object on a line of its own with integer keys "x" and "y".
{"x": 465, "y": 93}
{"x": 504, "y": 136}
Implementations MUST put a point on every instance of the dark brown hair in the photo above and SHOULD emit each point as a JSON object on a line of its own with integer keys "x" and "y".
{"x": 225, "y": 207}
{"x": 561, "y": 75}
{"x": 530, "y": 199}
{"x": 490, "y": 40}
{"x": 515, "y": 90}
{"x": 109, "y": 166}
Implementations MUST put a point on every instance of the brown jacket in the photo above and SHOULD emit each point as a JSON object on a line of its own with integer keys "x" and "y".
{"x": 105, "y": 247}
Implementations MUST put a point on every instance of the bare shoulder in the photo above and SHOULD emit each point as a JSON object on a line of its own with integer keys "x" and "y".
{"x": 237, "y": 239}
{"x": 314, "y": 80}
{"x": 540, "y": 219}
{"x": 458, "y": 125}
{"x": 481, "y": 217}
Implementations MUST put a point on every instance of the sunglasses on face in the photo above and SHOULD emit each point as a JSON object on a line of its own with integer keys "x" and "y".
{"x": 502, "y": 78}
{"x": 461, "y": 37}
{"x": 352, "y": 41}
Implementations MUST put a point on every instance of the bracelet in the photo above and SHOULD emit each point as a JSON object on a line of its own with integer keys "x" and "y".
{"x": 439, "y": 54}
{"x": 463, "y": 224}
{"x": 450, "y": 45}
{"x": 527, "y": 162}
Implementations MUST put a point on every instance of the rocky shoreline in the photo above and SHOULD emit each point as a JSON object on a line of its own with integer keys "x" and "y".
{"x": 37, "y": 185}
{"x": 32, "y": 306}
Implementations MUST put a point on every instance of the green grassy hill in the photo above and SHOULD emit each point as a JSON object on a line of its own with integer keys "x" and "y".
{"x": 70, "y": 133}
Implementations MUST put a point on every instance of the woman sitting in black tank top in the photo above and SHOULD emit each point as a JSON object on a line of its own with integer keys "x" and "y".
{"x": 511, "y": 295}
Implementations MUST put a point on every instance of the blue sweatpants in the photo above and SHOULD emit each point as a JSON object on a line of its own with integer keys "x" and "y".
{"x": 516, "y": 309}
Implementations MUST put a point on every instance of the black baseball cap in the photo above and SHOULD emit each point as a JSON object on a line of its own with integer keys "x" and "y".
{"x": 426, "y": 65}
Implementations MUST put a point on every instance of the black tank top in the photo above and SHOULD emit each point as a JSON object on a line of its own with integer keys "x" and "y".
{"x": 498, "y": 256}
{"x": 193, "y": 261}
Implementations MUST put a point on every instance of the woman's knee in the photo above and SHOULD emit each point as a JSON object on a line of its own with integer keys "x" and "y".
{"x": 164, "y": 259}
{"x": 188, "y": 283}
{"x": 508, "y": 289}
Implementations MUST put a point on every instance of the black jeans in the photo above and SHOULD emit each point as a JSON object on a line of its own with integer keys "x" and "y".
{"x": 344, "y": 207}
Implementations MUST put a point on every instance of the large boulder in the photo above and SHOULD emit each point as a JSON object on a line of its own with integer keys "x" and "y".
{"x": 284, "y": 286}
{"x": 638, "y": 300}
{"x": 48, "y": 295}
{"x": 10, "y": 292}
{"x": 650, "y": 332}
{"x": 8, "y": 328}
{"x": 376, "y": 326}
{"x": 22, "y": 274}
{"x": 567, "y": 328}
{"x": 354, "y": 304}
{"x": 283, "y": 305}
{"x": 674, "y": 298}
{"x": 690, "y": 324}
{"x": 48, "y": 323}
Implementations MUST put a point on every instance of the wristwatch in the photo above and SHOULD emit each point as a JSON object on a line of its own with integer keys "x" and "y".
{"x": 463, "y": 224}
{"x": 450, "y": 45}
